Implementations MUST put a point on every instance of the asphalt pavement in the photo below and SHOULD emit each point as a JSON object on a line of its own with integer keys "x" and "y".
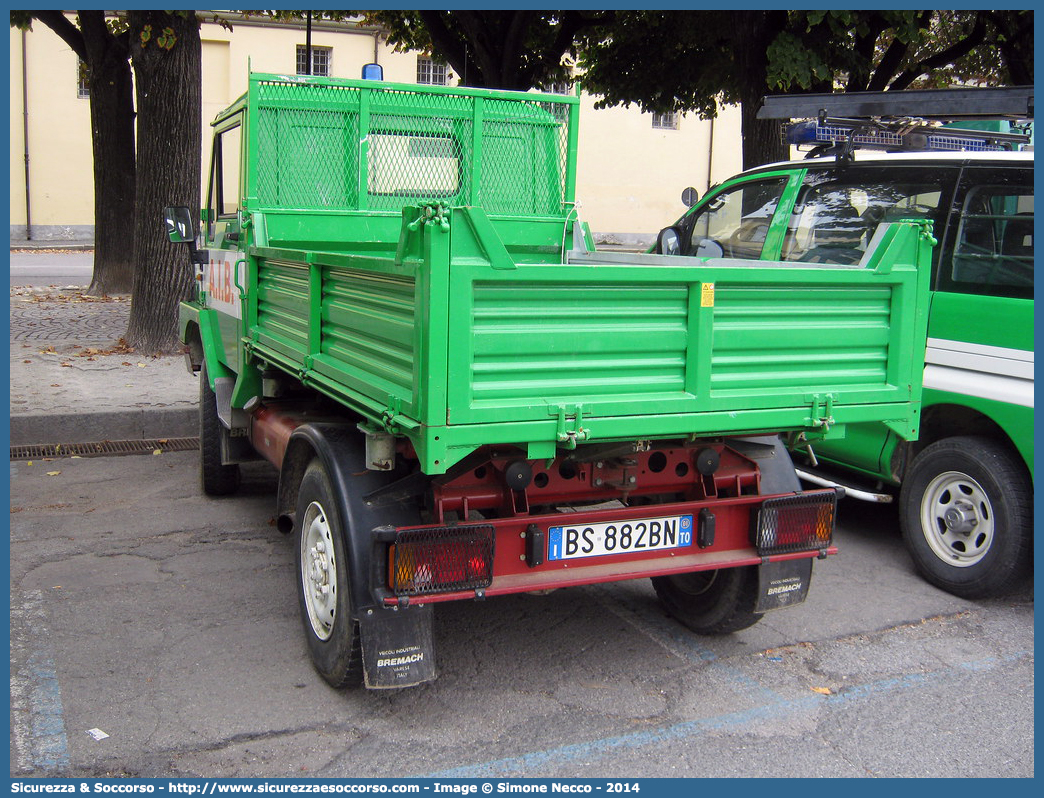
{"x": 72, "y": 380}
{"x": 169, "y": 622}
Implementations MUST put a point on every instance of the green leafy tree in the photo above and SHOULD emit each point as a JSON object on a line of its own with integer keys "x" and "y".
{"x": 494, "y": 49}
{"x": 103, "y": 45}
{"x": 694, "y": 60}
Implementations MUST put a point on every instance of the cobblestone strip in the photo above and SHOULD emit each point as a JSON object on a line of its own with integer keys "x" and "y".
{"x": 68, "y": 319}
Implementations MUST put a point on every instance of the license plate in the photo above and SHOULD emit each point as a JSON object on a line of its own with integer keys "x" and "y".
{"x": 619, "y": 537}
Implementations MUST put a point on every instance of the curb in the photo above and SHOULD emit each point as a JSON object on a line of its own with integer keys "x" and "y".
{"x": 105, "y": 425}
{"x": 52, "y": 245}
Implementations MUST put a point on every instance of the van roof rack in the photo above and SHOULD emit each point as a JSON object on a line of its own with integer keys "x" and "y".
{"x": 947, "y": 105}
{"x": 901, "y": 121}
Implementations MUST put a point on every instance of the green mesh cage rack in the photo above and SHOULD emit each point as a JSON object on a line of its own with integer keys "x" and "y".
{"x": 348, "y": 145}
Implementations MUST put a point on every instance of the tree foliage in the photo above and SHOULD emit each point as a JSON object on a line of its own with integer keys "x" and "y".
{"x": 494, "y": 49}
{"x": 692, "y": 61}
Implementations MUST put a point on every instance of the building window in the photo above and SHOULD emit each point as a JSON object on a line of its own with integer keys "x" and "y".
{"x": 321, "y": 58}
{"x": 667, "y": 121}
{"x": 561, "y": 87}
{"x": 83, "y": 80}
{"x": 430, "y": 71}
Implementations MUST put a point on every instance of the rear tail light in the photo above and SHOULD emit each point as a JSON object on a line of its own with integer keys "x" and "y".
{"x": 804, "y": 522}
{"x": 441, "y": 559}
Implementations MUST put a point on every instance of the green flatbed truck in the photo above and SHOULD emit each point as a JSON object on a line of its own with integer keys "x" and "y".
{"x": 399, "y": 309}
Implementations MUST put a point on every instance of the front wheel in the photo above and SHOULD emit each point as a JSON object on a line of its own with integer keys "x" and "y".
{"x": 711, "y": 602}
{"x": 322, "y": 583}
{"x": 967, "y": 517}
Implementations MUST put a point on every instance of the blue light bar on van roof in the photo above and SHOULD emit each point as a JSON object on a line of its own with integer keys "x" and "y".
{"x": 918, "y": 138}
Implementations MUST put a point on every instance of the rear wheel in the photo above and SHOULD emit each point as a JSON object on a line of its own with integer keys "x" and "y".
{"x": 711, "y": 602}
{"x": 217, "y": 478}
{"x": 322, "y": 585}
{"x": 966, "y": 509}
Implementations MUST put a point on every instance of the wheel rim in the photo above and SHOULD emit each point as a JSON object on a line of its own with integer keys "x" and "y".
{"x": 957, "y": 519}
{"x": 318, "y": 571}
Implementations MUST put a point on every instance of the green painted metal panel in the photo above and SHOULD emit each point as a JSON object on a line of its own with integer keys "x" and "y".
{"x": 368, "y": 329}
{"x": 460, "y": 346}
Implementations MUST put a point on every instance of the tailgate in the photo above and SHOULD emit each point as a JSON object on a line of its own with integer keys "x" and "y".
{"x": 645, "y": 344}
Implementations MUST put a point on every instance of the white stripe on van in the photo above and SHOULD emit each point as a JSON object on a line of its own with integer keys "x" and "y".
{"x": 986, "y": 372}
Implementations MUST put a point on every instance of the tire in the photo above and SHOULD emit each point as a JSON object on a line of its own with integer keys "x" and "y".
{"x": 966, "y": 511}
{"x": 217, "y": 478}
{"x": 323, "y": 590}
{"x": 711, "y": 602}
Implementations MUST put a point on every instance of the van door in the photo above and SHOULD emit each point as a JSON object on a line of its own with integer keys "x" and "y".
{"x": 981, "y": 332}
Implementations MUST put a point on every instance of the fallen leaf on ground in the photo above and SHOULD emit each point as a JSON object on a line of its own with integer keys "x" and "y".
{"x": 822, "y": 690}
{"x": 53, "y": 473}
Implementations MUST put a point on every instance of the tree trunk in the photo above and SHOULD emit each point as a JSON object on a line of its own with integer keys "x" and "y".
{"x": 169, "y": 118}
{"x": 112, "y": 134}
{"x": 761, "y": 140}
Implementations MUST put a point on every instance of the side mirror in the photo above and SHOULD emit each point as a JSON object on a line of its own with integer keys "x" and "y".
{"x": 179, "y": 225}
{"x": 668, "y": 242}
{"x": 690, "y": 197}
{"x": 181, "y": 231}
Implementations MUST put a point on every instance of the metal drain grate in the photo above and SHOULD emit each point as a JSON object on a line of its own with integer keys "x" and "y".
{"x": 102, "y": 448}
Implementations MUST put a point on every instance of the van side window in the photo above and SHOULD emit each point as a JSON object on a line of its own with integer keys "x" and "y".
{"x": 994, "y": 247}
{"x": 834, "y": 221}
{"x": 735, "y": 222}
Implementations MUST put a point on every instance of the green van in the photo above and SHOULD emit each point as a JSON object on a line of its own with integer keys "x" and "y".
{"x": 966, "y": 486}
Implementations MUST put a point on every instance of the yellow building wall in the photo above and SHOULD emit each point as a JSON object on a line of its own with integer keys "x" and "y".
{"x": 629, "y": 175}
{"x": 61, "y": 165}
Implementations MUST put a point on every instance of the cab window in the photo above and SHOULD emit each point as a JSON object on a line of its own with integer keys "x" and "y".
{"x": 224, "y": 174}
{"x": 993, "y": 253}
{"x": 735, "y": 222}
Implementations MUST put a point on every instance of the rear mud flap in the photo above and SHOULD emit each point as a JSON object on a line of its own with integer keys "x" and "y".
{"x": 397, "y": 647}
{"x": 783, "y": 584}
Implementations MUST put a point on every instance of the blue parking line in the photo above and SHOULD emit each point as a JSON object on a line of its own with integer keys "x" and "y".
{"x": 540, "y": 760}
{"x": 36, "y": 698}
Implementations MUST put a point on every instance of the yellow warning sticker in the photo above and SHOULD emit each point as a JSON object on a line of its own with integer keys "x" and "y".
{"x": 706, "y": 295}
